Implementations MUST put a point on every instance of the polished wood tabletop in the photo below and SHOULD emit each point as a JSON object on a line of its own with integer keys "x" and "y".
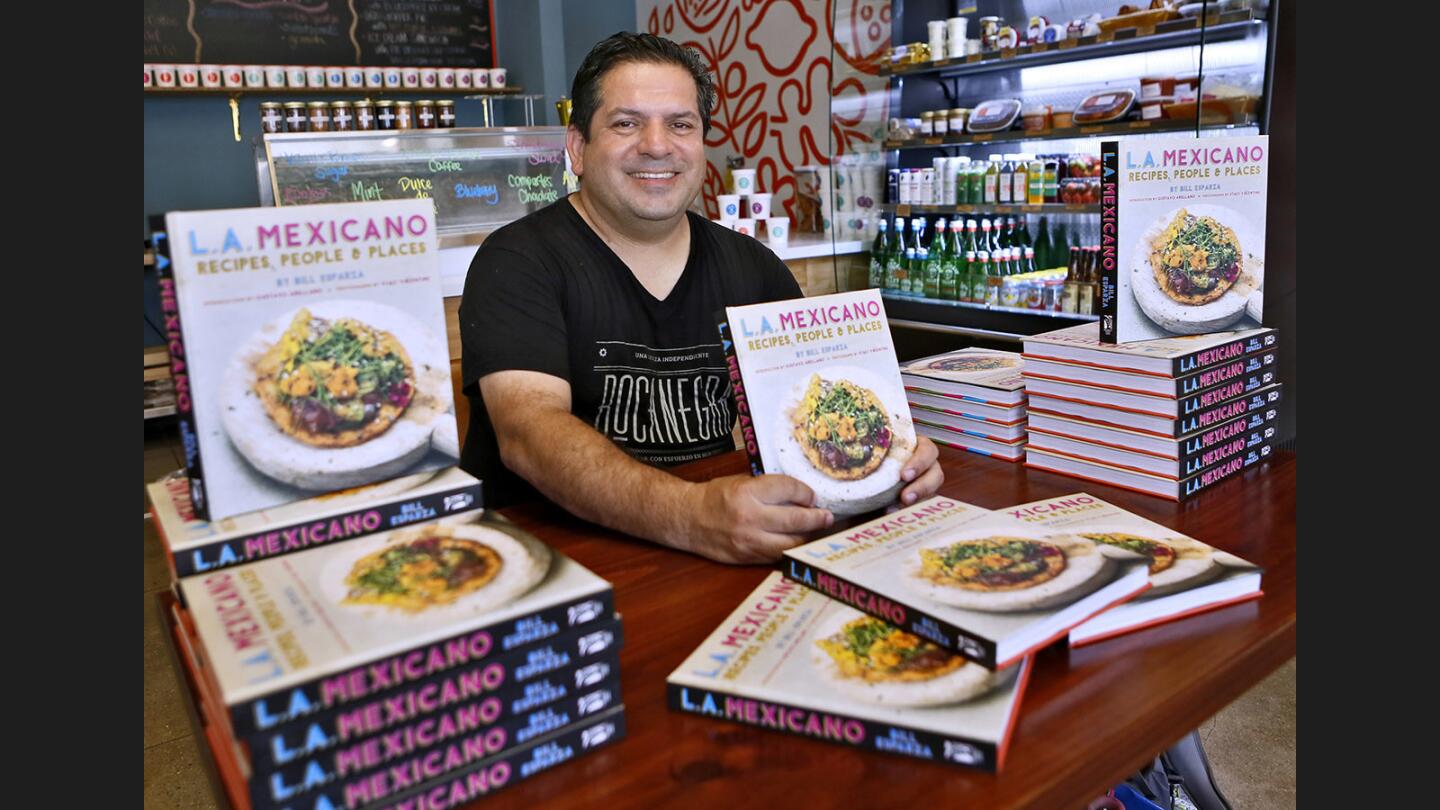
{"x": 1089, "y": 717}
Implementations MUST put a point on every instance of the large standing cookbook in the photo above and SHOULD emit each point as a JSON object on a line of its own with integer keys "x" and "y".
{"x": 308, "y": 349}
{"x": 1183, "y": 245}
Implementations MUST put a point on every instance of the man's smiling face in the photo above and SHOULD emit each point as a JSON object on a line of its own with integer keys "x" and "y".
{"x": 645, "y": 155}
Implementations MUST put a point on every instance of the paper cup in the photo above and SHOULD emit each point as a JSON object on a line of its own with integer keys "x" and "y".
{"x": 760, "y": 206}
{"x": 149, "y": 76}
{"x": 745, "y": 226}
{"x": 447, "y": 78}
{"x": 375, "y": 77}
{"x": 297, "y": 76}
{"x": 429, "y": 78}
{"x": 254, "y": 76}
{"x": 165, "y": 76}
{"x": 410, "y": 77}
{"x": 464, "y": 78}
{"x": 234, "y": 75}
{"x": 744, "y": 181}
{"x": 729, "y": 206}
{"x": 480, "y": 77}
{"x": 335, "y": 77}
{"x": 777, "y": 231}
{"x": 497, "y": 77}
{"x": 211, "y": 76}
{"x": 354, "y": 77}
{"x": 393, "y": 77}
{"x": 189, "y": 75}
{"x": 275, "y": 76}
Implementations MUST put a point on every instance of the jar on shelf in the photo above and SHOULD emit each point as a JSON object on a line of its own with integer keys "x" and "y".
{"x": 404, "y": 115}
{"x": 295, "y": 117}
{"x": 425, "y": 114}
{"x": 927, "y": 124}
{"x": 1010, "y": 292}
{"x": 272, "y": 117}
{"x": 319, "y": 115}
{"x": 342, "y": 116}
{"x": 445, "y": 113}
{"x": 364, "y": 115}
{"x": 385, "y": 114}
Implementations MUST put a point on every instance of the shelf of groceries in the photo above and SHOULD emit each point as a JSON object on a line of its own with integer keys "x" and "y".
{"x": 1139, "y": 39}
{"x": 1071, "y": 133}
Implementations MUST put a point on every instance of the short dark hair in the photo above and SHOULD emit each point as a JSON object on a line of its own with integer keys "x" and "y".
{"x": 623, "y": 47}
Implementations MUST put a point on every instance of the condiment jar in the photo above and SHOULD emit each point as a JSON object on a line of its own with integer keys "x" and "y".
{"x": 342, "y": 116}
{"x": 319, "y": 116}
{"x": 364, "y": 115}
{"x": 404, "y": 115}
{"x": 295, "y": 117}
{"x": 425, "y": 114}
{"x": 445, "y": 111}
{"x": 385, "y": 114}
{"x": 272, "y": 117}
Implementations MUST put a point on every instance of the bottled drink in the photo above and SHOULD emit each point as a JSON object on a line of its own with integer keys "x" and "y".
{"x": 1006, "y": 177}
{"x": 1042, "y": 245}
{"x": 902, "y": 280}
{"x": 935, "y": 259}
{"x": 1061, "y": 245}
{"x": 1052, "y": 178}
{"x": 895, "y": 256}
{"x": 987, "y": 237}
{"x": 1075, "y": 270}
{"x": 972, "y": 230}
{"x": 992, "y": 181}
{"x": 1035, "y": 191}
{"x": 916, "y": 277}
{"x": 1022, "y": 233}
{"x": 992, "y": 280}
{"x": 877, "y": 256}
{"x": 1020, "y": 190}
{"x": 972, "y": 283}
{"x": 953, "y": 269}
{"x": 1030, "y": 260}
{"x": 976, "y": 181}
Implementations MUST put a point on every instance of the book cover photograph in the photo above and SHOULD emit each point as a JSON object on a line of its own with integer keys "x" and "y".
{"x": 966, "y": 579}
{"x": 790, "y": 659}
{"x": 424, "y": 599}
{"x": 313, "y": 353}
{"x": 818, "y": 390}
{"x": 986, "y": 375}
{"x": 1188, "y": 255}
{"x": 1161, "y": 357}
{"x": 1184, "y": 572}
{"x": 196, "y": 546}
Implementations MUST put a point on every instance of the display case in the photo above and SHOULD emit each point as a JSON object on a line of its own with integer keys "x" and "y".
{"x": 1044, "y": 79}
{"x": 479, "y": 178}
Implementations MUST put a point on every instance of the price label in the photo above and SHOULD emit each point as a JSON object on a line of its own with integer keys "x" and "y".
{"x": 940, "y": 62}
{"x": 1105, "y": 36}
{"x": 1145, "y": 31}
{"x": 974, "y": 57}
{"x": 981, "y": 138}
{"x": 1007, "y": 53}
{"x": 934, "y": 141}
{"x": 1066, "y": 44}
{"x": 1091, "y": 130}
{"x": 1139, "y": 124}
{"x": 1041, "y": 47}
{"x": 902, "y": 210}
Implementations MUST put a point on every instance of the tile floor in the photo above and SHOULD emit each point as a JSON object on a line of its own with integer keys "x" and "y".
{"x": 1251, "y": 742}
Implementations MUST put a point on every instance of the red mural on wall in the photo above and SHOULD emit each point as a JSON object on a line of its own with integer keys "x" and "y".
{"x": 776, "y": 85}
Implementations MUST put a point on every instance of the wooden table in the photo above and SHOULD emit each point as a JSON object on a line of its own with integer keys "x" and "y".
{"x": 1089, "y": 717}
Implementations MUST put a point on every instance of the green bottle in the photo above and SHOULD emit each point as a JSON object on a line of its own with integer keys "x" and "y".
{"x": 895, "y": 256}
{"x": 935, "y": 261}
{"x": 1043, "y": 247}
{"x": 877, "y": 256}
{"x": 953, "y": 267}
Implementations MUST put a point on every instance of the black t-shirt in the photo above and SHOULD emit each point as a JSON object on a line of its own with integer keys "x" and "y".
{"x": 546, "y": 294}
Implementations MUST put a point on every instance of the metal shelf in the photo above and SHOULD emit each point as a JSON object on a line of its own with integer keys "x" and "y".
{"x": 906, "y": 209}
{"x": 1173, "y": 34}
{"x": 976, "y": 320}
{"x": 1068, "y": 133}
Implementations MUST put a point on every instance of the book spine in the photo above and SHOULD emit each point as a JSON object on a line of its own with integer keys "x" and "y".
{"x": 1216, "y": 355}
{"x": 1251, "y": 367}
{"x": 179, "y": 369}
{"x": 477, "y": 780}
{"x": 832, "y": 727}
{"x": 429, "y": 748}
{"x": 742, "y": 404}
{"x": 1194, "y": 484}
{"x": 1260, "y": 402}
{"x": 582, "y": 651}
{"x": 1109, "y": 238}
{"x": 933, "y": 629}
{"x": 361, "y": 682}
{"x": 325, "y": 530}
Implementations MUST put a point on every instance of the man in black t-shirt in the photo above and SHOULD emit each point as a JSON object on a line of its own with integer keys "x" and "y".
{"x": 590, "y": 353}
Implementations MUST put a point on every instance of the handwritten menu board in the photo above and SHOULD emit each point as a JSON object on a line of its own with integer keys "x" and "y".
{"x": 452, "y": 33}
{"x": 478, "y": 180}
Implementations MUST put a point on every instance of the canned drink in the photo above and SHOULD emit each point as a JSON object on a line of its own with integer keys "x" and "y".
{"x": 892, "y": 186}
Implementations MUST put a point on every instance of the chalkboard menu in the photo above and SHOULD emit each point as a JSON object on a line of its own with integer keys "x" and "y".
{"x": 442, "y": 33}
{"x": 479, "y": 179}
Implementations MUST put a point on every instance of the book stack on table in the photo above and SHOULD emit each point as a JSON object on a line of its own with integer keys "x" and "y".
{"x": 1167, "y": 417}
{"x": 355, "y": 629}
{"x": 971, "y": 399}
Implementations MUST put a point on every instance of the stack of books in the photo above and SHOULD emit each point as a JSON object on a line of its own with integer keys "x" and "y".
{"x": 971, "y": 399}
{"x": 913, "y": 633}
{"x": 356, "y": 630}
{"x": 1168, "y": 417}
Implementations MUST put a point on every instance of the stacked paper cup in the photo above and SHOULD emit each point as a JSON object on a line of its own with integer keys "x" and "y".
{"x": 936, "y": 29}
{"x": 955, "y": 33}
